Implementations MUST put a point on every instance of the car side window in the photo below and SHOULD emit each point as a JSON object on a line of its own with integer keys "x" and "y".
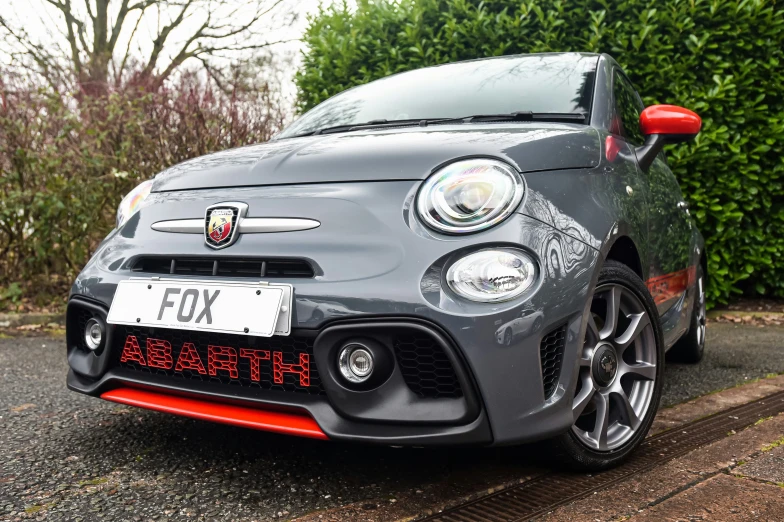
{"x": 627, "y": 108}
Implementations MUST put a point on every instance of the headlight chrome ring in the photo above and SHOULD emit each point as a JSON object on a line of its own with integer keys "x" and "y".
{"x": 492, "y": 275}
{"x": 469, "y": 195}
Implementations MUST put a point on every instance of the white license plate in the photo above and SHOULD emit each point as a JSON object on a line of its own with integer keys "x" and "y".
{"x": 259, "y": 309}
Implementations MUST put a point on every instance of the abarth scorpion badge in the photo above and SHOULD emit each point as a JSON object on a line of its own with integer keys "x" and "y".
{"x": 221, "y": 224}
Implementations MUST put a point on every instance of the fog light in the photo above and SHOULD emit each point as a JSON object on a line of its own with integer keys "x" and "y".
{"x": 492, "y": 275}
{"x": 93, "y": 334}
{"x": 355, "y": 363}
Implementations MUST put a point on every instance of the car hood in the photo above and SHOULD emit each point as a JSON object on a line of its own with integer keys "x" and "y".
{"x": 408, "y": 153}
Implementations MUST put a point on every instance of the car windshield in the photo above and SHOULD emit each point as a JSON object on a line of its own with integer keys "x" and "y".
{"x": 544, "y": 83}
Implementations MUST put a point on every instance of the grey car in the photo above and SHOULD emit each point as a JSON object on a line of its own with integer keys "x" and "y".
{"x": 349, "y": 279}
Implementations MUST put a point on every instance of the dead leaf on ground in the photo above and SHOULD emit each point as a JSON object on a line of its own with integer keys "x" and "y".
{"x": 28, "y": 327}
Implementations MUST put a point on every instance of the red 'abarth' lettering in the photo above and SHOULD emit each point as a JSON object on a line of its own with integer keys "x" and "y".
{"x": 189, "y": 360}
{"x": 219, "y": 359}
{"x": 132, "y": 352}
{"x": 222, "y": 358}
{"x": 302, "y": 369}
{"x": 159, "y": 354}
{"x": 255, "y": 356}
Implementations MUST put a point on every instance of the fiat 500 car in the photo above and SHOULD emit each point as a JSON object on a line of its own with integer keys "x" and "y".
{"x": 486, "y": 252}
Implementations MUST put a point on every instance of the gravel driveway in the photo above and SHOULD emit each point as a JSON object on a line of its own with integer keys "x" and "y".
{"x": 64, "y": 456}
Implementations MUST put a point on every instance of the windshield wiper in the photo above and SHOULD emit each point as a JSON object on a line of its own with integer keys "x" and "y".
{"x": 524, "y": 116}
{"x": 359, "y": 126}
{"x": 476, "y": 118}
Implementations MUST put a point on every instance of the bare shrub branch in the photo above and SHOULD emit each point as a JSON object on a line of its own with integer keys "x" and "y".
{"x": 88, "y": 54}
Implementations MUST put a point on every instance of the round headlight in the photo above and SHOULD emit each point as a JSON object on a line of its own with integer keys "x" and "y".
{"x": 491, "y": 276}
{"x": 130, "y": 203}
{"x": 469, "y": 195}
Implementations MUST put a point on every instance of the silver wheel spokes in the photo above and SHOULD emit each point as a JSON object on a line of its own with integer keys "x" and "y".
{"x": 700, "y": 314}
{"x": 617, "y": 370}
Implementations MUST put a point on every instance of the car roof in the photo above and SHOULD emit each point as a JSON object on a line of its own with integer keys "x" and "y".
{"x": 507, "y": 56}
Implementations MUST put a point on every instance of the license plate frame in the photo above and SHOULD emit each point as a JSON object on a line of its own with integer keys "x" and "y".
{"x": 256, "y": 308}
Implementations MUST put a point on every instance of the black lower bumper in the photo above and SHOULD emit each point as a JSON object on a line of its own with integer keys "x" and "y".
{"x": 476, "y": 432}
{"x": 423, "y": 399}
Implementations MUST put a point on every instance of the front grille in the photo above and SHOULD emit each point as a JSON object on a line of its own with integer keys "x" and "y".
{"x": 224, "y": 267}
{"x": 261, "y": 376}
{"x": 551, "y": 353}
{"x": 425, "y": 367}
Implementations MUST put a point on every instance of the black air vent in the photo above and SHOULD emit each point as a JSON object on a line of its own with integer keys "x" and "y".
{"x": 224, "y": 267}
{"x": 551, "y": 353}
{"x": 425, "y": 367}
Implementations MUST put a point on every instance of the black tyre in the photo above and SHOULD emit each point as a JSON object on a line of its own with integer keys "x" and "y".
{"x": 620, "y": 374}
{"x": 691, "y": 347}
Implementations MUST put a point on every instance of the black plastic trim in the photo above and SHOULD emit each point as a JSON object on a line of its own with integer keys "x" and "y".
{"x": 266, "y": 266}
{"x": 393, "y": 401}
{"x": 91, "y": 364}
{"x": 334, "y": 426}
{"x": 470, "y": 427}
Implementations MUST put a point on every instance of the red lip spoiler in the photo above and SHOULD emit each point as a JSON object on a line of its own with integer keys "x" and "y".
{"x": 278, "y": 422}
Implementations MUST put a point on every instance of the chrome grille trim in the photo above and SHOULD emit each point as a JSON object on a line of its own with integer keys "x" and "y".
{"x": 246, "y": 226}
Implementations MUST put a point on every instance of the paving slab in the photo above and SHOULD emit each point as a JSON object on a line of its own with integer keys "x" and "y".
{"x": 721, "y": 497}
{"x": 769, "y": 466}
{"x": 650, "y": 488}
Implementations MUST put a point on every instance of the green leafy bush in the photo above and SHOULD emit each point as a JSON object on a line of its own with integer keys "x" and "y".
{"x": 65, "y": 164}
{"x": 722, "y": 58}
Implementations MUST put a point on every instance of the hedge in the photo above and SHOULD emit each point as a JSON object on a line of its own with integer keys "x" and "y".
{"x": 722, "y": 58}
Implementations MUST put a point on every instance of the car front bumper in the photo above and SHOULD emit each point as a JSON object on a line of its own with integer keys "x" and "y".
{"x": 376, "y": 277}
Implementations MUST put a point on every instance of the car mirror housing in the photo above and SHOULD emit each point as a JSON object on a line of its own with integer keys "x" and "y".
{"x": 663, "y": 125}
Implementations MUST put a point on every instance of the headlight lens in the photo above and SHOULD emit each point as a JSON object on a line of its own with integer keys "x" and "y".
{"x": 470, "y": 195}
{"x": 130, "y": 203}
{"x": 492, "y": 275}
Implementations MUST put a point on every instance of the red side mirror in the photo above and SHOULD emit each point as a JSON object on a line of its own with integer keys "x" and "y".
{"x": 673, "y": 122}
{"x": 664, "y": 124}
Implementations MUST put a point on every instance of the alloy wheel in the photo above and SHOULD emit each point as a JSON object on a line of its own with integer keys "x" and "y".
{"x": 700, "y": 314}
{"x": 617, "y": 370}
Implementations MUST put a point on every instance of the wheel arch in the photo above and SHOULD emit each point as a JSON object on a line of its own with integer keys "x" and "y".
{"x": 623, "y": 250}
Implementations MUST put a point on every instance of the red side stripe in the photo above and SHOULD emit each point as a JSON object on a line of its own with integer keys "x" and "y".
{"x": 266, "y": 420}
{"x": 667, "y": 286}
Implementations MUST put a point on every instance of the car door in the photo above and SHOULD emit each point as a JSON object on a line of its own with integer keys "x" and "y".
{"x": 669, "y": 224}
